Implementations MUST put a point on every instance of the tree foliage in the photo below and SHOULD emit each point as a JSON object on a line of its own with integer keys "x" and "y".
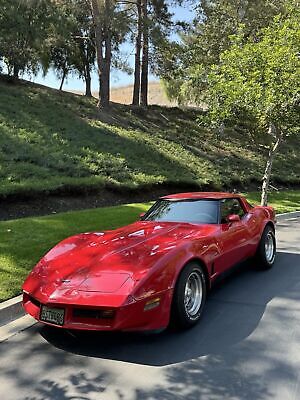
{"x": 69, "y": 47}
{"x": 71, "y": 36}
{"x": 24, "y": 26}
{"x": 260, "y": 79}
{"x": 205, "y": 40}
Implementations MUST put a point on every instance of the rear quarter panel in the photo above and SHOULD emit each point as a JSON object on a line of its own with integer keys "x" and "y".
{"x": 259, "y": 217}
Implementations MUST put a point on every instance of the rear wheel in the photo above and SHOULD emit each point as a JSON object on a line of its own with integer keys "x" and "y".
{"x": 266, "y": 251}
{"x": 189, "y": 296}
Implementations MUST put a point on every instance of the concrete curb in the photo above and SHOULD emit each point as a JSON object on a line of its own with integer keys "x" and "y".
{"x": 289, "y": 215}
{"x": 12, "y": 309}
{"x": 17, "y": 325}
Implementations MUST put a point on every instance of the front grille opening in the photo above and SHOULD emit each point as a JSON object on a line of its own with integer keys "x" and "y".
{"x": 93, "y": 313}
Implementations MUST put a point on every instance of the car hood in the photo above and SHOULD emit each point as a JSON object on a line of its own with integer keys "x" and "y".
{"x": 108, "y": 262}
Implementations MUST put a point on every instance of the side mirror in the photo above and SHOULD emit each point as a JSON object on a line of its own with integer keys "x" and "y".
{"x": 233, "y": 218}
{"x": 142, "y": 216}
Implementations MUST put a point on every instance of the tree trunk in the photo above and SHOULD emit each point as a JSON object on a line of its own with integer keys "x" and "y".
{"x": 137, "y": 66}
{"x": 103, "y": 61}
{"x": 87, "y": 73}
{"x": 63, "y": 78}
{"x": 16, "y": 71}
{"x": 85, "y": 56}
{"x": 268, "y": 169}
{"x": 145, "y": 55}
{"x": 107, "y": 59}
{"x": 88, "y": 91}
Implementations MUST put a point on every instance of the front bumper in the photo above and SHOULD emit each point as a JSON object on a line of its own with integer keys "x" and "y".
{"x": 130, "y": 317}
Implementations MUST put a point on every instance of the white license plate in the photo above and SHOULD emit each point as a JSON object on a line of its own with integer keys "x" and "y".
{"x": 53, "y": 315}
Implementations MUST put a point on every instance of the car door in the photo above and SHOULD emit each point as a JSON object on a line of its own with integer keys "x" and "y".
{"x": 233, "y": 238}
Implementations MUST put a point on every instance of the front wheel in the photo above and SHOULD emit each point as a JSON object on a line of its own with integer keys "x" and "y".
{"x": 266, "y": 251}
{"x": 189, "y": 296}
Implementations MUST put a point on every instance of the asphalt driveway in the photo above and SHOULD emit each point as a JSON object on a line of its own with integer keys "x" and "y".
{"x": 247, "y": 346}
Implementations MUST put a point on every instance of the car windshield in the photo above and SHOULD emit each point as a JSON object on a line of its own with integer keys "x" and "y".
{"x": 192, "y": 211}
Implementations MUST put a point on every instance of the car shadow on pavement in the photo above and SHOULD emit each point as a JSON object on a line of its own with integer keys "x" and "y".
{"x": 233, "y": 311}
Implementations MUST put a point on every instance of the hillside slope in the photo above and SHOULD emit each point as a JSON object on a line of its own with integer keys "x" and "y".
{"x": 53, "y": 141}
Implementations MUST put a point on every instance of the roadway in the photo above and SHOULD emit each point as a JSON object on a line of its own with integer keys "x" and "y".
{"x": 247, "y": 346}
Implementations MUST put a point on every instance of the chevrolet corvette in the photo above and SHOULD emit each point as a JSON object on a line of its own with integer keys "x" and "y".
{"x": 154, "y": 271}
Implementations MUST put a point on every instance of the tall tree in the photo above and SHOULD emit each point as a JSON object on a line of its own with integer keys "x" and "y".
{"x": 137, "y": 57}
{"x": 145, "y": 53}
{"x": 110, "y": 27}
{"x": 260, "y": 79}
{"x": 84, "y": 63}
{"x": 102, "y": 15}
{"x": 59, "y": 46}
{"x": 84, "y": 52}
{"x": 153, "y": 23}
{"x": 69, "y": 47}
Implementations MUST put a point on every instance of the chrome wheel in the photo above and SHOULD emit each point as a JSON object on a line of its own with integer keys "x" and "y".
{"x": 193, "y": 294}
{"x": 269, "y": 247}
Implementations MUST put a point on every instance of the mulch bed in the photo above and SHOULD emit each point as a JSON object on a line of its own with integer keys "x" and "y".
{"x": 52, "y": 204}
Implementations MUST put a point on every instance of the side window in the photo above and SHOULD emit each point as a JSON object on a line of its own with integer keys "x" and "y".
{"x": 230, "y": 206}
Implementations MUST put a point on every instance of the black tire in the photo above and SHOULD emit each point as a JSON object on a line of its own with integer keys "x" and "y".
{"x": 180, "y": 317}
{"x": 264, "y": 259}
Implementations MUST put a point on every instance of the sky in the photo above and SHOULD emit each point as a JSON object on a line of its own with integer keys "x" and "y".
{"x": 118, "y": 78}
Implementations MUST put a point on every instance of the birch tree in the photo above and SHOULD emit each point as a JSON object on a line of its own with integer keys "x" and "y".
{"x": 260, "y": 79}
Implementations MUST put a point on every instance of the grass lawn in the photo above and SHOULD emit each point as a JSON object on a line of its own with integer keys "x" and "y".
{"x": 283, "y": 201}
{"x": 25, "y": 240}
{"x": 53, "y": 141}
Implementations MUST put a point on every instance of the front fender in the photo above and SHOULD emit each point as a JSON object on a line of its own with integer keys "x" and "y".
{"x": 164, "y": 274}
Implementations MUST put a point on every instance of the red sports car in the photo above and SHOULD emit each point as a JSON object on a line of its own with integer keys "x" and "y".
{"x": 156, "y": 270}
